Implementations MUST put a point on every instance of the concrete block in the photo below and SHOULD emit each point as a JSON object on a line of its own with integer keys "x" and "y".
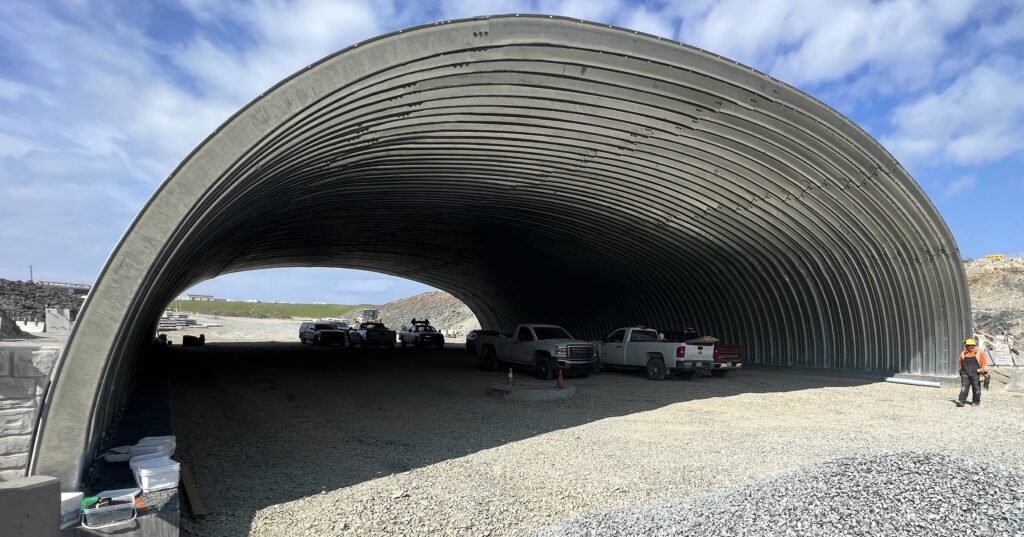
{"x": 37, "y": 363}
{"x": 14, "y": 462}
{"x": 17, "y": 388}
{"x": 30, "y": 507}
{"x": 15, "y": 445}
{"x": 16, "y": 422}
{"x": 8, "y": 404}
{"x": 1016, "y": 383}
{"x": 10, "y": 475}
{"x": 58, "y": 320}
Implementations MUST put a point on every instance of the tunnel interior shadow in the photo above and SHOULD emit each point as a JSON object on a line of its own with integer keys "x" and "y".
{"x": 261, "y": 424}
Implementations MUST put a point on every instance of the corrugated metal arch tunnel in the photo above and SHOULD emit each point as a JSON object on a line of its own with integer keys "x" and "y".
{"x": 543, "y": 169}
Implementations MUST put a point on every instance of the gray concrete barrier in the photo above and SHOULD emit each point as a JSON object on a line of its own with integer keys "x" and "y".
{"x": 24, "y": 374}
{"x": 30, "y": 507}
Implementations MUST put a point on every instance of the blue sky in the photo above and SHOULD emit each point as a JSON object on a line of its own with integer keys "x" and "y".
{"x": 100, "y": 100}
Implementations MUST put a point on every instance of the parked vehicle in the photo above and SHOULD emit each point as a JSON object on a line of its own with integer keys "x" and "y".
{"x": 421, "y": 335}
{"x": 371, "y": 335}
{"x": 640, "y": 347}
{"x": 725, "y": 358}
{"x": 321, "y": 334}
{"x": 471, "y": 338}
{"x": 547, "y": 348}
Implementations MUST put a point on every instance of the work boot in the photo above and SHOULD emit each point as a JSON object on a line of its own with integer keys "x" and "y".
{"x": 960, "y": 404}
{"x": 976, "y": 403}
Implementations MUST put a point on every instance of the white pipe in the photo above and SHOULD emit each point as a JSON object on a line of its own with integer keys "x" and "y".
{"x": 912, "y": 382}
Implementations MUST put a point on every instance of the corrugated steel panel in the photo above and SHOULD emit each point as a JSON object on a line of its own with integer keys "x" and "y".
{"x": 550, "y": 170}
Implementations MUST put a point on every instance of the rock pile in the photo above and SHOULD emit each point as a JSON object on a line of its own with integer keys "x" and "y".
{"x": 893, "y": 494}
{"x": 444, "y": 311}
{"x": 27, "y": 301}
{"x": 997, "y": 296}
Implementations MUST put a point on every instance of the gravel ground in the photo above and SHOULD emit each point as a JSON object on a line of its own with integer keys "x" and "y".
{"x": 894, "y": 494}
{"x": 286, "y": 439}
{"x": 238, "y": 329}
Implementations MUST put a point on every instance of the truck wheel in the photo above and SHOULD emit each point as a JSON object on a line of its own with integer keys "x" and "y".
{"x": 316, "y": 340}
{"x": 545, "y": 371}
{"x": 656, "y": 369}
{"x": 687, "y": 375}
{"x": 719, "y": 373}
{"x": 488, "y": 361}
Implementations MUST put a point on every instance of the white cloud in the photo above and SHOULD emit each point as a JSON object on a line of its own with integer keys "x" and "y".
{"x": 95, "y": 109}
{"x": 978, "y": 118}
{"x": 588, "y": 10}
{"x": 960, "y": 186}
{"x": 650, "y": 22}
{"x": 817, "y": 42}
{"x": 15, "y": 146}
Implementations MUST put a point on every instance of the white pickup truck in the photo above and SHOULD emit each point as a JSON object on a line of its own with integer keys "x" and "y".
{"x": 547, "y": 348}
{"x": 639, "y": 347}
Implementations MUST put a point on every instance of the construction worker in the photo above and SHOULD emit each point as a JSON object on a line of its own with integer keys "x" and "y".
{"x": 972, "y": 366}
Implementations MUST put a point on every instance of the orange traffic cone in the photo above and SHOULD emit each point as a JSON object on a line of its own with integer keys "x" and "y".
{"x": 560, "y": 383}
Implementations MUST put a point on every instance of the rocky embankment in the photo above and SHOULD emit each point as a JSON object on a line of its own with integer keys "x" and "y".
{"x": 444, "y": 311}
{"x": 27, "y": 301}
{"x": 997, "y": 296}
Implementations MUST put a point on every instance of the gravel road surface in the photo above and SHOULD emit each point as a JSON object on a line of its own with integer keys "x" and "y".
{"x": 895, "y": 494}
{"x": 286, "y": 439}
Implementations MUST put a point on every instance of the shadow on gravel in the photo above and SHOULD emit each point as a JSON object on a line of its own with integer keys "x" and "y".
{"x": 266, "y": 423}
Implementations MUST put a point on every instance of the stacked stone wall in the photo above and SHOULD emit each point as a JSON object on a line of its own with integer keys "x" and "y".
{"x": 24, "y": 374}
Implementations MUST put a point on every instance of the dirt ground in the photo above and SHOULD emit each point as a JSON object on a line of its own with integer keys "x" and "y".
{"x": 287, "y": 439}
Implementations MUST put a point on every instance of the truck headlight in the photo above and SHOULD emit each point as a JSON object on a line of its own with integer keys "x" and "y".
{"x": 560, "y": 349}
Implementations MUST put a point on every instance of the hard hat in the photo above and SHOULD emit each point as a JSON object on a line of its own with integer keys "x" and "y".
{"x": 970, "y": 342}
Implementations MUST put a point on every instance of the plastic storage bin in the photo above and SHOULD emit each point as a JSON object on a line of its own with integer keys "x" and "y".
{"x": 156, "y": 474}
{"x": 110, "y": 515}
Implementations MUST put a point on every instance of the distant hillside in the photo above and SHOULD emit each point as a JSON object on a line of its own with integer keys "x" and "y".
{"x": 264, "y": 310}
{"x": 997, "y": 296}
{"x": 444, "y": 311}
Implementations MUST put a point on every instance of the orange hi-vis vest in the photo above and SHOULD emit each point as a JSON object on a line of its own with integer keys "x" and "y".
{"x": 977, "y": 354}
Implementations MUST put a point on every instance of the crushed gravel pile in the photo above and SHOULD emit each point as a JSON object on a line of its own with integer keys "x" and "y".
{"x": 997, "y": 295}
{"x": 444, "y": 311}
{"x": 886, "y": 494}
{"x": 7, "y": 327}
{"x": 28, "y": 300}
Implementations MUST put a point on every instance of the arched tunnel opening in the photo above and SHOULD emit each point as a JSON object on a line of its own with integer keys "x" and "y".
{"x": 542, "y": 170}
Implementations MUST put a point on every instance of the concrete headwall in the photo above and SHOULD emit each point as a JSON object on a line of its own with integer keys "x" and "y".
{"x": 24, "y": 373}
{"x": 32, "y": 327}
{"x": 58, "y": 320}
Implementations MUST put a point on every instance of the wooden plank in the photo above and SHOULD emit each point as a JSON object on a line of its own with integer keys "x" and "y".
{"x": 195, "y": 502}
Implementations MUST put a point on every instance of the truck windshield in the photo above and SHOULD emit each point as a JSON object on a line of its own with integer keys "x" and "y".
{"x": 325, "y": 327}
{"x": 551, "y": 332}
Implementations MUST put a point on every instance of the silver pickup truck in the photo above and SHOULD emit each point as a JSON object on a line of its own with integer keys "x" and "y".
{"x": 639, "y": 347}
{"x": 545, "y": 347}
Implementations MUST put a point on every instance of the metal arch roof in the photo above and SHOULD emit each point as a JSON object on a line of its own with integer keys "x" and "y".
{"x": 550, "y": 170}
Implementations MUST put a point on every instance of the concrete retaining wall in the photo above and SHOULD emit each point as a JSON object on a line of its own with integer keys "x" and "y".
{"x": 24, "y": 373}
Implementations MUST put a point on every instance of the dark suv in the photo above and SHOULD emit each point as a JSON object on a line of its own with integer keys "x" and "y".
{"x": 322, "y": 334}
